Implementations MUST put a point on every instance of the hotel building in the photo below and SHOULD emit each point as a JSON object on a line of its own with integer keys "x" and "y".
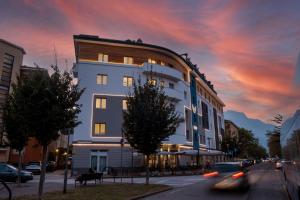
{"x": 107, "y": 68}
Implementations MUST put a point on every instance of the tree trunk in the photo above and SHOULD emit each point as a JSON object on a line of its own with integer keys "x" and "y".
{"x": 19, "y": 169}
{"x": 43, "y": 172}
{"x": 147, "y": 169}
{"x": 66, "y": 166}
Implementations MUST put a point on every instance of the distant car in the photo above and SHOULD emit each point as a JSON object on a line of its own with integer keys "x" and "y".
{"x": 9, "y": 173}
{"x": 227, "y": 176}
{"x": 278, "y": 165}
{"x": 50, "y": 167}
{"x": 34, "y": 168}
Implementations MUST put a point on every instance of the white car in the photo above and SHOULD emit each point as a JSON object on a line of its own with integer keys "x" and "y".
{"x": 35, "y": 169}
{"x": 278, "y": 165}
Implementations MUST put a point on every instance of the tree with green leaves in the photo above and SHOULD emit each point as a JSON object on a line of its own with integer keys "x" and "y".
{"x": 50, "y": 109}
{"x": 248, "y": 146}
{"x": 16, "y": 131}
{"x": 273, "y": 137}
{"x": 149, "y": 120}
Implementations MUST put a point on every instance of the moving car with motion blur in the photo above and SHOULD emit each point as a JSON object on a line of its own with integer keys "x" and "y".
{"x": 9, "y": 173}
{"x": 227, "y": 176}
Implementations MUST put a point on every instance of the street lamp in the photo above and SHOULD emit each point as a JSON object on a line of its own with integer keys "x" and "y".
{"x": 122, "y": 144}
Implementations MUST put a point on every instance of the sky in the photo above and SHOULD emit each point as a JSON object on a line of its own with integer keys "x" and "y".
{"x": 248, "y": 49}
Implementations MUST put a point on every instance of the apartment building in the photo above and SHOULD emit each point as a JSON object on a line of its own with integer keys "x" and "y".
{"x": 11, "y": 58}
{"x": 231, "y": 130}
{"x": 107, "y": 68}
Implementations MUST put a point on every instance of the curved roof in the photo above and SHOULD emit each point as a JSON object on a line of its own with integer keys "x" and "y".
{"x": 139, "y": 43}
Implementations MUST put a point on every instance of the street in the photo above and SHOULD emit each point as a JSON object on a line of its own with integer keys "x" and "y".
{"x": 264, "y": 179}
{"x": 265, "y": 185}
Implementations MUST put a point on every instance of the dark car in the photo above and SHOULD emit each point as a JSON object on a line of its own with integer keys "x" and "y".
{"x": 9, "y": 173}
{"x": 227, "y": 176}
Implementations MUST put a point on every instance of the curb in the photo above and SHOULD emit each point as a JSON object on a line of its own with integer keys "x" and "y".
{"x": 150, "y": 193}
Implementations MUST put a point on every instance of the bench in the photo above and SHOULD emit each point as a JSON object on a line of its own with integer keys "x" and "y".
{"x": 83, "y": 178}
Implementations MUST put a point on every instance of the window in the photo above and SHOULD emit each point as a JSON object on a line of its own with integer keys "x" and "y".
{"x": 150, "y": 60}
{"x": 100, "y": 128}
{"x": 152, "y": 82}
{"x": 162, "y": 63}
{"x": 128, "y": 60}
{"x": 101, "y": 79}
{"x": 102, "y": 57}
{"x": 185, "y": 94}
{"x": 171, "y": 85}
{"x": 162, "y": 84}
{"x": 205, "y": 119}
{"x": 124, "y": 104}
{"x": 127, "y": 81}
{"x": 8, "y": 60}
{"x": 100, "y": 103}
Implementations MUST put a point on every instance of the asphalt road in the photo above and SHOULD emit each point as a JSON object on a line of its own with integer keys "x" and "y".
{"x": 266, "y": 184}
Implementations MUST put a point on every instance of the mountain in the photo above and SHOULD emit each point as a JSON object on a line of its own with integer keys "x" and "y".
{"x": 289, "y": 126}
{"x": 257, "y": 127}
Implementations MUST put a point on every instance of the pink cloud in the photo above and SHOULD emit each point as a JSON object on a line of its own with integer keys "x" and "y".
{"x": 251, "y": 64}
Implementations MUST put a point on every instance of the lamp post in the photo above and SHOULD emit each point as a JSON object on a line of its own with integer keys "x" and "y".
{"x": 122, "y": 144}
{"x": 132, "y": 165}
{"x": 66, "y": 163}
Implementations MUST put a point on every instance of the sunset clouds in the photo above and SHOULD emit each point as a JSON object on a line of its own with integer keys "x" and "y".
{"x": 248, "y": 49}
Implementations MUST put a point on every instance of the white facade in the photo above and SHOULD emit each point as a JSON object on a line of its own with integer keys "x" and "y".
{"x": 87, "y": 73}
{"x": 113, "y": 60}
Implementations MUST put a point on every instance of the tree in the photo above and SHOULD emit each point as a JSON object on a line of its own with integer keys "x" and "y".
{"x": 248, "y": 145}
{"x": 68, "y": 95}
{"x": 273, "y": 137}
{"x": 149, "y": 120}
{"x": 49, "y": 110}
{"x": 16, "y": 131}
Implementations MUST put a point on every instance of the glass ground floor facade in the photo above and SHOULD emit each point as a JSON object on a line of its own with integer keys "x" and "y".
{"x": 111, "y": 158}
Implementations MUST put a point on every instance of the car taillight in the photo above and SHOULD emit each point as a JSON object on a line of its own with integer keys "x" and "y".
{"x": 238, "y": 175}
{"x": 211, "y": 174}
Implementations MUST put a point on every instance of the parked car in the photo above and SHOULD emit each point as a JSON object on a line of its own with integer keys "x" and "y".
{"x": 9, "y": 173}
{"x": 34, "y": 167}
{"x": 50, "y": 167}
{"x": 278, "y": 165}
{"x": 227, "y": 176}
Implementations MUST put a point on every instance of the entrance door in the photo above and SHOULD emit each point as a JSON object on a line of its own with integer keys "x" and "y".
{"x": 99, "y": 161}
{"x": 102, "y": 163}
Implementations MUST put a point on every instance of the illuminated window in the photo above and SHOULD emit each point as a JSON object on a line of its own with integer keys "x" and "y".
{"x": 128, "y": 60}
{"x": 152, "y": 82}
{"x": 100, "y": 128}
{"x": 101, "y": 79}
{"x": 162, "y": 84}
{"x": 150, "y": 60}
{"x": 100, "y": 103}
{"x": 127, "y": 81}
{"x": 162, "y": 63}
{"x": 124, "y": 104}
{"x": 102, "y": 57}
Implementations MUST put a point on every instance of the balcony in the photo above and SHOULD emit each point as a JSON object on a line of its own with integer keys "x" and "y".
{"x": 174, "y": 94}
{"x": 162, "y": 71}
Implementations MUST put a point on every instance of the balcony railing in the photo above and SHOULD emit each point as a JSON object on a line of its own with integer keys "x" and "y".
{"x": 162, "y": 71}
